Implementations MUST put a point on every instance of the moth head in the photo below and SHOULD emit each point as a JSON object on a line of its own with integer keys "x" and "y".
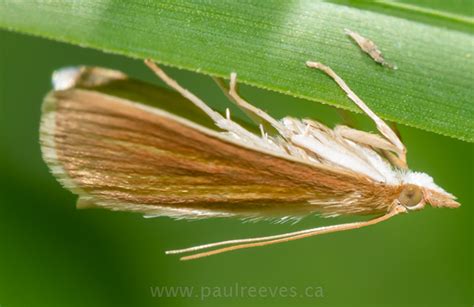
{"x": 419, "y": 189}
{"x": 411, "y": 197}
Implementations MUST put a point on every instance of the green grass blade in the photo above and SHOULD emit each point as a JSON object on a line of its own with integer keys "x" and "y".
{"x": 268, "y": 42}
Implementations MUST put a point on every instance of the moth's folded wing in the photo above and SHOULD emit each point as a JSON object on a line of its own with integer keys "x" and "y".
{"x": 121, "y": 155}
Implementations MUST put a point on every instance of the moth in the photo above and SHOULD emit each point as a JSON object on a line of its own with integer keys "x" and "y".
{"x": 105, "y": 142}
{"x": 369, "y": 47}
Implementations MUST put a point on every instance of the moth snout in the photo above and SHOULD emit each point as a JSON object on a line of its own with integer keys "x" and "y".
{"x": 440, "y": 199}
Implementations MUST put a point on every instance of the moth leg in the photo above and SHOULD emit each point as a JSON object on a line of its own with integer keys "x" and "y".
{"x": 215, "y": 116}
{"x": 373, "y": 140}
{"x": 394, "y": 127}
{"x": 383, "y": 128}
{"x": 255, "y": 242}
{"x": 254, "y": 117}
{"x": 224, "y": 123}
{"x": 252, "y": 109}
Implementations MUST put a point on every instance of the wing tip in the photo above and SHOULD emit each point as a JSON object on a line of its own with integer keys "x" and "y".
{"x": 66, "y": 77}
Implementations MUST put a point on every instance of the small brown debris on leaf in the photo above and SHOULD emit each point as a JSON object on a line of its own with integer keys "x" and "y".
{"x": 369, "y": 47}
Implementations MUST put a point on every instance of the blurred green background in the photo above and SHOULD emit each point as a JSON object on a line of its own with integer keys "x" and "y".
{"x": 54, "y": 255}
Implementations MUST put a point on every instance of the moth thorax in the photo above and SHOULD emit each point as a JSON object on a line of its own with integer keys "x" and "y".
{"x": 410, "y": 196}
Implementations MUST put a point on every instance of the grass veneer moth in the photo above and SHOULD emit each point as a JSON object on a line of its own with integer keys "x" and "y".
{"x": 102, "y": 139}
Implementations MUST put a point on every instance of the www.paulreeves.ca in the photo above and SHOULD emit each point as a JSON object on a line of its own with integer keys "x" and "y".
{"x": 236, "y": 291}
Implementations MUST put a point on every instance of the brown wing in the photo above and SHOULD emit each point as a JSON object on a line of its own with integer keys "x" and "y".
{"x": 122, "y": 155}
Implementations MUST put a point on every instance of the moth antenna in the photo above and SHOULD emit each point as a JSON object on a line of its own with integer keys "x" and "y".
{"x": 237, "y": 241}
{"x": 384, "y": 129}
{"x": 256, "y": 242}
{"x": 216, "y": 117}
{"x": 252, "y": 109}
